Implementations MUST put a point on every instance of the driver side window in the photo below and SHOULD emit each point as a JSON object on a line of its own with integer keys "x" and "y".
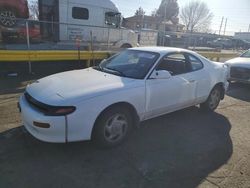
{"x": 173, "y": 63}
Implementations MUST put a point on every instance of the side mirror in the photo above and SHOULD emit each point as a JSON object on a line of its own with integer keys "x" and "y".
{"x": 160, "y": 74}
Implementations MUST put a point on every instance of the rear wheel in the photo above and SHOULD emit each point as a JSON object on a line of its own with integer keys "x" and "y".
{"x": 112, "y": 127}
{"x": 213, "y": 100}
{"x": 7, "y": 18}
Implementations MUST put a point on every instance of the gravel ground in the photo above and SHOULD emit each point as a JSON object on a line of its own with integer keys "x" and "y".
{"x": 188, "y": 148}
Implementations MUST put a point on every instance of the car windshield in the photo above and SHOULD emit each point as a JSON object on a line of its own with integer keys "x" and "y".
{"x": 129, "y": 63}
{"x": 246, "y": 54}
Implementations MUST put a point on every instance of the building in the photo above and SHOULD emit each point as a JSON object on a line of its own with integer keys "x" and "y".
{"x": 142, "y": 21}
{"x": 151, "y": 22}
{"x": 169, "y": 26}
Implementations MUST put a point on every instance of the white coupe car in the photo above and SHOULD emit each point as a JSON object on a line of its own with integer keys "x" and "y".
{"x": 103, "y": 103}
{"x": 240, "y": 68}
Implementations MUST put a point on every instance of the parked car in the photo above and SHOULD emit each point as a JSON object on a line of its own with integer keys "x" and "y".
{"x": 18, "y": 33}
{"x": 11, "y": 10}
{"x": 240, "y": 68}
{"x": 104, "y": 103}
{"x": 222, "y": 43}
{"x": 241, "y": 44}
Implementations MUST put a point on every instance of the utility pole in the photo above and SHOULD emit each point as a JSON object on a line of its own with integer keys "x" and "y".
{"x": 225, "y": 27}
{"x": 249, "y": 28}
{"x": 221, "y": 24}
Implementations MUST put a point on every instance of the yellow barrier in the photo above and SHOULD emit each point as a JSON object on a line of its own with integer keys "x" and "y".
{"x": 218, "y": 55}
{"x": 17, "y": 56}
{"x": 57, "y": 55}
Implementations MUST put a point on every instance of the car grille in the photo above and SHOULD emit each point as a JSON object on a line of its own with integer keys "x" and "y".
{"x": 36, "y": 104}
{"x": 240, "y": 73}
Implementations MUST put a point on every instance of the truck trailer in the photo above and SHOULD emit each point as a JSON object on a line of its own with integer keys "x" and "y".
{"x": 98, "y": 21}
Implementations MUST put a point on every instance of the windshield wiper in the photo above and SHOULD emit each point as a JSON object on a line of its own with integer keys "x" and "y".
{"x": 98, "y": 67}
{"x": 114, "y": 71}
{"x": 110, "y": 70}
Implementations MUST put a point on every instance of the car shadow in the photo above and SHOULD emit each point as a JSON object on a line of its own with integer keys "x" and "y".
{"x": 239, "y": 91}
{"x": 176, "y": 150}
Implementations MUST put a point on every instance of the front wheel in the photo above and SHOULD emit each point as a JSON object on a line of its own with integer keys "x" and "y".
{"x": 213, "y": 100}
{"x": 112, "y": 127}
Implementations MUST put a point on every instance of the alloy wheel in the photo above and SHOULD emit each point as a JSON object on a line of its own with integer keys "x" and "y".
{"x": 7, "y": 18}
{"x": 115, "y": 128}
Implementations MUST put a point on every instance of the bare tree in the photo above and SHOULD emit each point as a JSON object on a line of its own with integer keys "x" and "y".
{"x": 33, "y": 8}
{"x": 140, "y": 12}
{"x": 154, "y": 12}
{"x": 196, "y": 16}
{"x": 168, "y": 10}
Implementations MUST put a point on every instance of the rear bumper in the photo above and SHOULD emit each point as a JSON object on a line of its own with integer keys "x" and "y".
{"x": 56, "y": 133}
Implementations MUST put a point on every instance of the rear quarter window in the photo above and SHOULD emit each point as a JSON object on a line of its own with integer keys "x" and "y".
{"x": 196, "y": 63}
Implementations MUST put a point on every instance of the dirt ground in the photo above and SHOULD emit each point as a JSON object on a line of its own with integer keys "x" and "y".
{"x": 185, "y": 149}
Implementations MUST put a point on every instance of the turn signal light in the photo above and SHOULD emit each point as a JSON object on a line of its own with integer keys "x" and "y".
{"x": 41, "y": 125}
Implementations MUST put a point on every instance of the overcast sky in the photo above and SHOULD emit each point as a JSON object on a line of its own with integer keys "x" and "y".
{"x": 237, "y": 11}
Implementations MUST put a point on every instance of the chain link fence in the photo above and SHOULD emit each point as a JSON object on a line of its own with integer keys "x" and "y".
{"x": 43, "y": 35}
{"x": 21, "y": 34}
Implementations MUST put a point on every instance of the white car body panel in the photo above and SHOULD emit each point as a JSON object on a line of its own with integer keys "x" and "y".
{"x": 92, "y": 91}
{"x": 82, "y": 129}
{"x": 181, "y": 93}
{"x": 57, "y": 131}
{"x": 78, "y": 85}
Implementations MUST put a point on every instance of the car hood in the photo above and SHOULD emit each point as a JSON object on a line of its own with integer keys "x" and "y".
{"x": 71, "y": 87}
{"x": 239, "y": 62}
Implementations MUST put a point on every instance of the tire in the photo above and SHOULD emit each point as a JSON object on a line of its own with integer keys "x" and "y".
{"x": 8, "y": 18}
{"x": 213, "y": 100}
{"x": 112, "y": 127}
{"x": 124, "y": 46}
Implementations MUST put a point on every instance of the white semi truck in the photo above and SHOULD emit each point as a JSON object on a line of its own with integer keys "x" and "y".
{"x": 86, "y": 20}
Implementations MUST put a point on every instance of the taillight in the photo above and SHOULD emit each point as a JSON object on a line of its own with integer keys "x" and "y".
{"x": 60, "y": 111}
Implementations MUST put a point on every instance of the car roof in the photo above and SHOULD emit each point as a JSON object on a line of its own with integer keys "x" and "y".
{"x": 162, "y": 50}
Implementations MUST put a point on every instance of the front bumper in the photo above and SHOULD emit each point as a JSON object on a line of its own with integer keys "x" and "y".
{"x": 239, "y": 80}
{"x": 56, "y": 133}
{"x": 239, "y": 74}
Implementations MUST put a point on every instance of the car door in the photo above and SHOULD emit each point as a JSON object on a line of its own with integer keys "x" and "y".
{"x": 178, "y": 91}
{"x": 201, "y": 76}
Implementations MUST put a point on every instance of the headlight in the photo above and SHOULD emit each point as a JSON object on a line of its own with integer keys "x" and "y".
{"x": 60, "y": 111}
